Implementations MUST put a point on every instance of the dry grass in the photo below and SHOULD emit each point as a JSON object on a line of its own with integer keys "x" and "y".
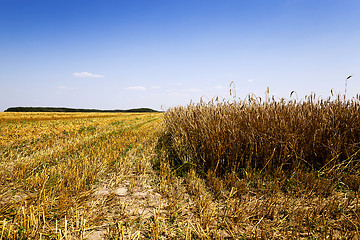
{"x": 218, "y": 170}
{"x": 264, "y": 169}
{"x": 66, "y": 176}
{"x": 274, "y": 135}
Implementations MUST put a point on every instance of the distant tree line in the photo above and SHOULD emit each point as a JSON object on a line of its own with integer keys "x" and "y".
{"x": 57, "y": 109}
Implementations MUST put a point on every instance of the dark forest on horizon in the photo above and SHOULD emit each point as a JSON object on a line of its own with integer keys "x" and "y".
{"x": 63, "y": 109}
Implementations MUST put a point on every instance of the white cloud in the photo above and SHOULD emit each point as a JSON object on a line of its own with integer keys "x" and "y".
{"x": 87, "y": 75}
{"x": 136, "y": 88}
{"x": 250, "y": 80}
{"x": 219, "y": 87}
{"x": 155, "y": 87}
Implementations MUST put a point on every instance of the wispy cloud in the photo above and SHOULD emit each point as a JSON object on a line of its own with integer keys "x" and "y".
{"x": 87, "y": 75}
{"x": 250, "y": 80}
{"x": 155, "y": 87}
{"x": 135, "y": 88}
{"x": 60, "y": 89}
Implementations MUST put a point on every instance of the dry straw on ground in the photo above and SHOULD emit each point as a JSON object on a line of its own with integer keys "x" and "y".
{"x": 269, "y": 168}
{"x": 74, "y": 176}
{"x": 251, "y": 169}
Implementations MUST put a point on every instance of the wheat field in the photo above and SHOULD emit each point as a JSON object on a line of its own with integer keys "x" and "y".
{"x": 269, "y": 168}
{"x": 72, "y": 176}
{"x": 243, "y": 169}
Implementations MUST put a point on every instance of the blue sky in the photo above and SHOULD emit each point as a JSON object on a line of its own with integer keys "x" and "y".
{"x": 117, "y": 54}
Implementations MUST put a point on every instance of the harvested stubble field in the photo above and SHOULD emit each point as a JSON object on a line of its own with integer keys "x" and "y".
{"x": 76, "y": 175}
{"x": 217, "y": 170}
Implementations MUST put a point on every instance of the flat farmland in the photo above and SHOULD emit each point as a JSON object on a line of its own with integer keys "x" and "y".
{"x": 247, "y": 169}
{"x": 68, "y": 175}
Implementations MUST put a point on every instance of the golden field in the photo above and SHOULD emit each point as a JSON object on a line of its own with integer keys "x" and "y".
{"x": 268, "y": 169}
{"x": 67, "y": 176}
{"x": 246, "y": 169}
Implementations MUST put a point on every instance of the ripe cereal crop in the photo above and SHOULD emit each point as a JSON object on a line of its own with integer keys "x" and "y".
{"x": 269, "y": 169}
{"x": 241, "y": 169}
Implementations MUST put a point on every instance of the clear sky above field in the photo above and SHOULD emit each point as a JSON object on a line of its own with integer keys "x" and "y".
{"x": 117, "y": 54}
